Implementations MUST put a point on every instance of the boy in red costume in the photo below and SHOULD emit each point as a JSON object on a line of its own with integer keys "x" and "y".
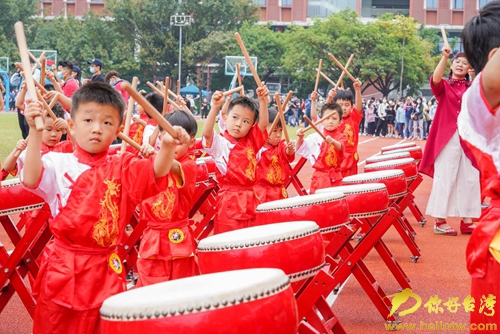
{"x": 167, "y": 245}
{"x": 352, "y": 114}
{"x": 273, "y": 168}
{"x": 325, "y": 156}
{"x": 86, "y": 191}
{"x": 479, "y": 127}
{"x": 235, "y": 155}
{"x": 51, "y": 142}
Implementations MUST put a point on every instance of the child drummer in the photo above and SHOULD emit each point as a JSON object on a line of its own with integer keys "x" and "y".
{"x": 274, "y": 159}
{"x": 235, "y": 155}
{"x": 325, "y": 156}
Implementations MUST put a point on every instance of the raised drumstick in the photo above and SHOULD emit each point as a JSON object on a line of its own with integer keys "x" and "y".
{"x": 238, "y": 76}
{"x": 46, "y": 106}
{"x": 326, "y": 78}
{"x": 128, "y": 117}
{"x": 443, "y": 33}
{"x": 55, "y": 99}
{"x": 249, "y": 61}
{"x": 176, "y": 106}
{"x": 343, "y": 73}
{"x": 23, "y": 52}
{"x": 165, "y": 100}
{"x": 127, "y": 140}
{"x": 232, "y": 91}
{"x": 314, "y": 127}
{"x": 150, "y": 110}
{"x": 342, "y": 67}
{"x": 42, "y": 70}
{"x": 178, "y": 87}
{"x": 320, "y": 120}
{"x": 318, "y": 75}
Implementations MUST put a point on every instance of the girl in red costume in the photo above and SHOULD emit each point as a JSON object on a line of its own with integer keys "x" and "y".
{"x": 455, "y": 189}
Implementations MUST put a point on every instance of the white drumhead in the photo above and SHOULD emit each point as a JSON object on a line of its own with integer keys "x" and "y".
{"x": 11, "y": 183}
{"x": 389, "y": 155}
{"x": 373, "y": 176}
{"x": 395, "y": 147}
{"x": 259, "y": 235}
{"x": 355, "y": 188}
{"x": 298, "y": 201}
{"x": 406, "y": 149}
{"x": 390, "y": 163}
{"x": 195, "y": 294}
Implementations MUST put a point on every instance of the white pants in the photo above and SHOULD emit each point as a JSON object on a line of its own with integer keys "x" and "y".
{"x": 455, "y": 188}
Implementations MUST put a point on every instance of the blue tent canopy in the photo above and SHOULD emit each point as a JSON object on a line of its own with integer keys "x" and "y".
{"x": 192, "y": 90}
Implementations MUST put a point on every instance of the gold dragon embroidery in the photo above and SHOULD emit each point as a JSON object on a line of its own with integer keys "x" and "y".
{"x": 138, "y": 135}
{"x": 350, "y": 135}
{"x": 163, "y": 206}
{"x": 252, "y": 164}
{"x": 103, "y": 234}
{"x": 331, "y": 158}
{"x": 274, "y": 175}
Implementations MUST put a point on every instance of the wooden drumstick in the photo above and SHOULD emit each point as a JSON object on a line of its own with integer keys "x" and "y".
{"x": 127, "y": 140}
{"x": 165, "y": 94}
{"x": 281, "y": 115}
{"x": 55, "y": 99}
{"x": 249, "y": 61}
{"x": 46, "y": 106}
{"x": 156, "y": 90}
{"x": 443, "y": 33}
{"x": 314, "y": 127}
{"x": 326, "y": 78}
{"x": 150, "y": 110}
{"x": 128, "y": 117}
{"x": 342, "y": 67}
{"x": 23, "y": 52}
{"x": 178, "y": 87}
{"x": 232, "y": 91}
{"x": 343, "y": 73}
{"x": 42, "y": 70}
{"x": 320, "y": 120}
{"x": 35, "y": 59}
{"x": 287, "y": 98}
{"x": 318, "y": 75}
{"x": 238, "y": 76}
{"x": 40, "y": 87}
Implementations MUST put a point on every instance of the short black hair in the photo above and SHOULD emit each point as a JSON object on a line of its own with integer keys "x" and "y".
{"x": 246, "y": 102}
{"x": 345, "y": 95}
{"x": 98, "y": 92}
{"x": 66, "y": 64}
{"x": 184, "y": 120}
{"x": 156, "y": 100}
{"x": 273, "y": 113}
{"x": 331, "y": 106}
{"x": 482, "y": 34}
{"x": 58, "y": 110}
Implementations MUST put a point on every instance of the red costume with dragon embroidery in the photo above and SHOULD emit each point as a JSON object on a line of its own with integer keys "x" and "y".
{"x": 137, "y": 130}
{"x": 89, "y": 196}
{"x": 325, "y": 158}
{"x": 350, "y": 127}
{"x": 167, "y": 246}
{"x": 237, "y": 164}
{"x": 273, "y": 170}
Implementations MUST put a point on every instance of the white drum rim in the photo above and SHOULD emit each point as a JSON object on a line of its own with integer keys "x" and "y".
{"x": 373, "y": 176}
{"x": 406, "y": 149}
{"x": 195, "y": 294}
{"x": 369, "y": 214}
{"x": 389, "y": 155}
{"x": 21, "y": 209}
{"x": 11, "y": 183}
{"x": 300, "y": 201}
{"x": 362, "y": 188}
{"x": 395, "y": 146}
{"x": 390, "y": 163}
{"x": 257, "y": 236}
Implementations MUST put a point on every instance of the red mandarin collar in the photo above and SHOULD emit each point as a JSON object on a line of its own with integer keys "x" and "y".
{"x": 454, "y": 81}
{"x": 92, "y": 160}
{"x": 230, "y": 138}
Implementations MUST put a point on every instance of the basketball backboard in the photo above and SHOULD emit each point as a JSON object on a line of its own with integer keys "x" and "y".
{"x": 231, "y": 61}
{"x": 50, "y": 55}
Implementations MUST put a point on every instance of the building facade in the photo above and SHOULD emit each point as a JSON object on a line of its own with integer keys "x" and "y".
{"x": 51, "y": 8}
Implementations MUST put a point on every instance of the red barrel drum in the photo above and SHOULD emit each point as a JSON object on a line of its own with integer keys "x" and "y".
{"x": 408, "y": 165}
{"x": 330, "y": 211}
{"x": 394, "y": 180}
{"x": 388, "y": 156}
{"x": 241, "y": 301}
{"x": 16, "y": 199}
{"x": 365, "y": 200}
{"x": 415, "y": 152}
{"x": 397, "y": 146}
